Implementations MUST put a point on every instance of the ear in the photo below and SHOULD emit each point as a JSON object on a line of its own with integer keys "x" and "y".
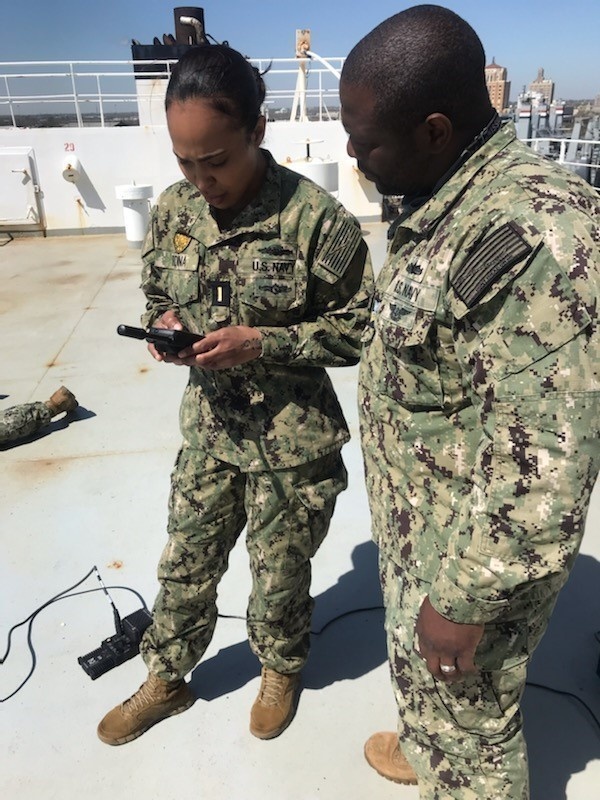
{"x": 258, "y": 134}
{"x": 435, "y": 133}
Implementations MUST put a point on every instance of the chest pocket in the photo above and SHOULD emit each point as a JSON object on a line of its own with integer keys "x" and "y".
{"x": 271, "y": 290}
{"x": 178, "y": 274}
{"x": 404, "y": 319}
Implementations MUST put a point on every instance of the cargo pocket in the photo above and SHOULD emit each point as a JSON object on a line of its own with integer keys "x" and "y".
{"x": 484, "y": 706}
{"x": 318, "y": 496}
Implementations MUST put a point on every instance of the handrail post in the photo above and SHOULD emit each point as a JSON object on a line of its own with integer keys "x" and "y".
{"x": 100, "y": 101}
{"x": 75, "y": 98}
{"x": 563, "y": 150}
{"x": 10, "y": 105}
{"x": 320, "y": 96}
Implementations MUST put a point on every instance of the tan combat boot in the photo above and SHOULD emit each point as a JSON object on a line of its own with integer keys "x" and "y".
{"x": 383, "y": 753}
{"x": 154, "y": 701}
{"x": 62, "y": 400}
{"x": 273, "y": 709}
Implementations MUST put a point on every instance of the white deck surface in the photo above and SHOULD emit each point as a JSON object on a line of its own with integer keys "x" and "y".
{"x": 93, "y": 490}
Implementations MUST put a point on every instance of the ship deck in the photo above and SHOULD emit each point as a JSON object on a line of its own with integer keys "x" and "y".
{"x": 92, "y": 489}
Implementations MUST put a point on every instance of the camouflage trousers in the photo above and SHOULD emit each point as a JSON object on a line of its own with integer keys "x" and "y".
{"x": 287, "y": 514}
{"x": 464, "y": 740}
{"x": 17, "y": 422}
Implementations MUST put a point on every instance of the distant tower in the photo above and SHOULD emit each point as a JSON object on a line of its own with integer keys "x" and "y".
{"x": 543, "y": 86}
{"x": 497, "y": 85}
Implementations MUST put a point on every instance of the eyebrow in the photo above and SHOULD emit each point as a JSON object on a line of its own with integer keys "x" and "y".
{"x": 207, "y": 157}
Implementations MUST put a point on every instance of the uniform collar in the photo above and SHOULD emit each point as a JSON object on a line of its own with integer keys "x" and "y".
{"x": 261, "y": 214}
{"x": 453, "y": 183}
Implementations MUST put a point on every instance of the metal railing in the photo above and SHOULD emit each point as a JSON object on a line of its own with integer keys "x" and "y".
{"x": 90, "y": 91}
{"x": 581, "y": 156}
{"x": 101, "y": 93}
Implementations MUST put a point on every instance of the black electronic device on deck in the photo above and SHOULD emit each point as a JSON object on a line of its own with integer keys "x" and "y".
{"x": 120, "y": 647}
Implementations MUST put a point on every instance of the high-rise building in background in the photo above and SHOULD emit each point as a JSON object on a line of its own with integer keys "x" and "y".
{"x": 543, "y": 86}
{"x": 497, "y": 85}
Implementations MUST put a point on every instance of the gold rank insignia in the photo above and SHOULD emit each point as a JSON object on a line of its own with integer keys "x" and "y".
{"x": 181, "y": 241}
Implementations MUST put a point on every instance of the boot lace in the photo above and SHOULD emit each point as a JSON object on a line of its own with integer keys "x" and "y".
{"x": 272, "y": 689}
{"x": 146, "y": 695}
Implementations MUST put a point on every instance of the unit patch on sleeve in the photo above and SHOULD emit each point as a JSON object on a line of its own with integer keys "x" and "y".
{"x": 338, "y": 251}
{"x": 494, "y": 256}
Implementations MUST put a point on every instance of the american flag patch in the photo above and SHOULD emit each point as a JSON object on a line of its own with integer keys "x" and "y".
{"x": 494, "y": 256}
{"x": 340, "y": 247}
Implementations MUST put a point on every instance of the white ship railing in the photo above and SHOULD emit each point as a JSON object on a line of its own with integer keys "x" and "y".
{"x": 91, "y": 91}
{"x": 103, "y": 93}
{"x": 581, "y": 156}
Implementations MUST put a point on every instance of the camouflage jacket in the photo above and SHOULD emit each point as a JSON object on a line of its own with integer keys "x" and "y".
{"x": 296, "y": 267}
{"x": 479, "y": 385}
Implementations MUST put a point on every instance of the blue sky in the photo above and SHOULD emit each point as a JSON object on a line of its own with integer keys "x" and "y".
{"x": 522, "y": 35}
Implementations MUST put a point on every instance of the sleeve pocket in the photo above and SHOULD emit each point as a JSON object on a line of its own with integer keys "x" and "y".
{"x": 523, "y": 322}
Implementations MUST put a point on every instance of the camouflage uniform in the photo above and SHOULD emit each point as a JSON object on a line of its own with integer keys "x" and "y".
{"x": 261, "y": 440}
{"x": 23, "y": 420}
{"x": 479, "y": 419}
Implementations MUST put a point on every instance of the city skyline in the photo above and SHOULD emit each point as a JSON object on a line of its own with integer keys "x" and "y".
{"x": 521, "y": 36}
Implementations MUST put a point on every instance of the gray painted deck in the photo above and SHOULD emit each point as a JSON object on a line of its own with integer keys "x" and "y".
{"x": 92, "y": 490}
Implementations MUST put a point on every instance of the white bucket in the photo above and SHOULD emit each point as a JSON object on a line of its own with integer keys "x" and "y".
{"x": 136, "y": 210}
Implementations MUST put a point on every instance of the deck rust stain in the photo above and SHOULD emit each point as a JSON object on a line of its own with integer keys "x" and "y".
{"x": 122, "y": 275}
{"x": 29, "y": 469}
{"x": 65, "y": 280}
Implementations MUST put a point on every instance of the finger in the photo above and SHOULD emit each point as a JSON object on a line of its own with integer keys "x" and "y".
{"x": 433, "y": 665}
{"x": 169, "y": 320}
{"x": 452, "y": 674}
{"x": 195, "y": 349}
{"x": 453, "y": 677}
{"x": 155, "y": 353}
{"x": 466, "y": 664}
{"x": 178, "y": 361}
{"x": 448, "y": 670}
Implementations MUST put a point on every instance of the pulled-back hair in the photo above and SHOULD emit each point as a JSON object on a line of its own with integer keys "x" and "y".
{"x": 222, "y": 75}
{"x": 423, "y": 60}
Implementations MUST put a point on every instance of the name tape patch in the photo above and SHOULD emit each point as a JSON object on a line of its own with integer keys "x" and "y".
{"x": 272, "y": 266}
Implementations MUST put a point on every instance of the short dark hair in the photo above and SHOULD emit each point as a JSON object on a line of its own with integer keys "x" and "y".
{"x": 423, "y": 60}
{"x": 221, "y": 74}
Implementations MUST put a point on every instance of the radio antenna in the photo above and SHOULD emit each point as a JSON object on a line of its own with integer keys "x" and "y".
{"x": 117, "y": 618}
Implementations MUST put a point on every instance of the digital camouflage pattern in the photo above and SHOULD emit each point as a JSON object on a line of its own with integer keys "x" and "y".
{"x": 464, "y": 740}
{"x": 287, "y": 513}
{"x": 261, "y": 441}
{"x": 20, "y": 421}
{"x": 295, "y": 266}
{"x": 479, "y": 389}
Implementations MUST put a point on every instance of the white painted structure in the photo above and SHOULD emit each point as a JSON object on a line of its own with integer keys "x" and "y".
{"x": 83, "y": 200}
{"x": 63, "y": 179}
